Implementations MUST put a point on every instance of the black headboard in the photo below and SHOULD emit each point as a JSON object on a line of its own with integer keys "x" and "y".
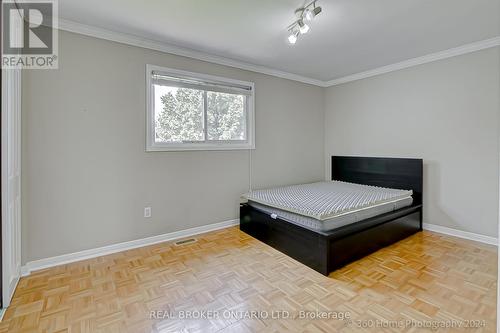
{"x": 399, "y": 173}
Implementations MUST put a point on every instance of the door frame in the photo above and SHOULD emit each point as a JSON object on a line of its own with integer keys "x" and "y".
{"x": 1, "y": 168}
{"x": 10, "y": 140}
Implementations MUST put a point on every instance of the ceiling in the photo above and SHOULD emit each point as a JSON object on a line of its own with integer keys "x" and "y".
{"x": 348, "y": 37}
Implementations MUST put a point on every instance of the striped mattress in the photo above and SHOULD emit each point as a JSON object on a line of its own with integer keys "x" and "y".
{"x": 326, "y": 200}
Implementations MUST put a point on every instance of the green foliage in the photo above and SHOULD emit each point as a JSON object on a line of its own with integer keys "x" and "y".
{"x": 226, "y": 119}
{"x": 181, "y": 118}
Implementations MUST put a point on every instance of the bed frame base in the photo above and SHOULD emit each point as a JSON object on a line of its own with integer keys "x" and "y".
{"x": 328, "y": 251}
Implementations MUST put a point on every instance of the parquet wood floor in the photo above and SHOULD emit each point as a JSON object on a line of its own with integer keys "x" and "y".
{"x": 427, "y": 279}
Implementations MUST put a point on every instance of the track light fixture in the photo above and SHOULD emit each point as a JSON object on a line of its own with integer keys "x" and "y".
{"x": 303, "y": 14}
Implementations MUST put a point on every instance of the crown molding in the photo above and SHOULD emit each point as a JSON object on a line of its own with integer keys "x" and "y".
{"x": 134, "y": 40}
{"x": 464, "y": 49}
{"x": 138, "y": 41}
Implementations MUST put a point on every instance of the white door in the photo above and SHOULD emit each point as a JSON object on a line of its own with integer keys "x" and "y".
{"x": 11, "y": 182}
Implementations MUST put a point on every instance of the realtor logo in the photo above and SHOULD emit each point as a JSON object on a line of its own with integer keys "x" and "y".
{"x": 29, "y": 34}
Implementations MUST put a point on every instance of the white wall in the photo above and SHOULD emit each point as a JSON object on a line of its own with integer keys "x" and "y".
{"x": 446, "y": 112}
{"x": 87, "y": 177}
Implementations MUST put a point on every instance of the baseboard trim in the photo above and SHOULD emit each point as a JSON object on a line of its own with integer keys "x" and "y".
{"x": 109, "y": 249}
{"x": 461, "y": 234}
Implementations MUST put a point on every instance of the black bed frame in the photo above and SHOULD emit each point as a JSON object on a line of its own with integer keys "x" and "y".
{"x": 330, "y": 250}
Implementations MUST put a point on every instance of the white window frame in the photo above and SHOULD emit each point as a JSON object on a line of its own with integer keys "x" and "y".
{"x": 152, "y": 145}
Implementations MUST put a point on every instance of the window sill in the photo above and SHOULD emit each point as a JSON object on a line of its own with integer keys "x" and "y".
{"x": 199, "y": 147}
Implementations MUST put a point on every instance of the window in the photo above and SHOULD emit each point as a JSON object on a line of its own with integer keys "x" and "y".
{"x": 190, "y": 111}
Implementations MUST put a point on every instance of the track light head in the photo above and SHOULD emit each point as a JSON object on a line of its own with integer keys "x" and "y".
{"x": 316, "y": 11}
{"x": 309, "y": 12}
{"x": 292, "y": 38}
{"x": 308, "y": 15}
{"x": 303, "y": 28}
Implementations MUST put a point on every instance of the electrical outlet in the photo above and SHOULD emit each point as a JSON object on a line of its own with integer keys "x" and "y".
{"x": 147, "y": 211}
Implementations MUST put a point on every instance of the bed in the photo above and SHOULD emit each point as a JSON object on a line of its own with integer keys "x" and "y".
{"x": 370, "y": 203}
